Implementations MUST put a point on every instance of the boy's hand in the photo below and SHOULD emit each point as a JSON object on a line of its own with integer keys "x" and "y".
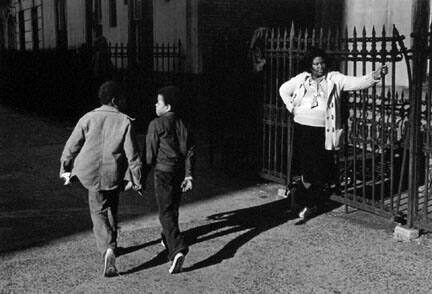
{"x": 66, "y": 178}
{"x": 128, "y": 186}
{"x": 186, "y": 185}
{"x": 139, "y": 189}
{"x": 140, "y": 192}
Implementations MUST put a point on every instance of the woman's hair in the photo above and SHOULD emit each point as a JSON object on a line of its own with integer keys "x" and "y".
{"x": 309, "y": 56}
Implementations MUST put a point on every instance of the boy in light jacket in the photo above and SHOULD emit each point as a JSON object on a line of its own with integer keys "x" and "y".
{"x": 101, "y": 152}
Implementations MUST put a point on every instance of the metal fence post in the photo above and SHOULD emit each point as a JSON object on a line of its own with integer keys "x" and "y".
{"x": 414, "y": 124}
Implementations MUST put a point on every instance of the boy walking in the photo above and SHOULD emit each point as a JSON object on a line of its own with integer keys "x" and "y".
{"x": 101, "y": 152}
{"x": 169, "y": 150}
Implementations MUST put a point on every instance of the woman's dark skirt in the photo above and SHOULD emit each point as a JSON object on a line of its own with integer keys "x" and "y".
{"x": 313, "y": 161}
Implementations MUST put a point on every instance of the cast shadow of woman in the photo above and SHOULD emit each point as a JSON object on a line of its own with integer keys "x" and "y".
{"x": 253, "y": 220}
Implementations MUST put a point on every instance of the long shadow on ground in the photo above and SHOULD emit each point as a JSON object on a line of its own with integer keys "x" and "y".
{"x": 30, "y": 217}
{"x": 255, "y": 220}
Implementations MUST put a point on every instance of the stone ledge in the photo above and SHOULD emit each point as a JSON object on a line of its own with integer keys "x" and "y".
{"x": 405, "y": 234}
{"x": 282, "y": 192}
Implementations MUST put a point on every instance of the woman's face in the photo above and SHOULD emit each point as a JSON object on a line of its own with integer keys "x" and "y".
{"x": 318, "y": 67}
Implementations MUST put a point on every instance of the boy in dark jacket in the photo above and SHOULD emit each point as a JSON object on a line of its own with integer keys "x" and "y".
{"x": 102, "y": 152}
{"x": 170, "y": 151}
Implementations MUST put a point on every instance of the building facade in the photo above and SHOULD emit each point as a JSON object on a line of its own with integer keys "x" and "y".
{"x": 198, "y": 24}
{"x": 68, "y": 24}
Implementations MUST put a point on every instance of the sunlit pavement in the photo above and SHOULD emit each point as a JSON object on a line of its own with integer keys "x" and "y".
{"x": 243, "y": 239}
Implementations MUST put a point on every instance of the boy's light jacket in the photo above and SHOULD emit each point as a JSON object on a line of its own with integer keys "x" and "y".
{"x": 293, "y": 91}
{"x": 100, "y": 150}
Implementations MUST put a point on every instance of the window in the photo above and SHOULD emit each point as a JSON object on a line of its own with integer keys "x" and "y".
{"x": 21, "y": 29}
{"x": 112, "y": 13}
{"x": 29, "y": 23}
{"x": 35, "y": 27}
{"x": 98, "y": 12}
{"x": 61, "y": 24}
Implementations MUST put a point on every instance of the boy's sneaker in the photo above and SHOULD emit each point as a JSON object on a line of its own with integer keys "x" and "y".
{"x": 302, "y": 213}
{"x": 177, "y": 263}
{"x": 163, "y": 244}
{"x": 110, "y": 269}
{"x": 306, "y": 213}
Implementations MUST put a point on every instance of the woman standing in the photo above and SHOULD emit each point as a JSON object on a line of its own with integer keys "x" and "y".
{"x": 314, "y": 98}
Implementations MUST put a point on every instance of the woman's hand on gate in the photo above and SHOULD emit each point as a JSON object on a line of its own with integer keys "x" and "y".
{"x": 380, "y": 71}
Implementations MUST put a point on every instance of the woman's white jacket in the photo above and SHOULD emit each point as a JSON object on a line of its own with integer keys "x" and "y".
{"x": 293, "y": 91}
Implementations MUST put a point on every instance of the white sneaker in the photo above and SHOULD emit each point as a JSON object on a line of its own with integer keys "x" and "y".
{"x": 110, "y": 269}
{"x": 302, "y": 213}
{"x": 307, "y": 213}
{"x": 177, "y": 263}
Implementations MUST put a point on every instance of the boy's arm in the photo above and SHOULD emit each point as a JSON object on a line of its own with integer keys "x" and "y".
{"x": 152, "y": 144}
{"x": 72, "y": 148}
{"x": 190, "y": 155}
{"x": 188, "y": 146}
{"x": 131, "y": 149}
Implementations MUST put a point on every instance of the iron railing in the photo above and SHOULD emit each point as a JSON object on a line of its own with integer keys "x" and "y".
{"x": 165, "y": 57}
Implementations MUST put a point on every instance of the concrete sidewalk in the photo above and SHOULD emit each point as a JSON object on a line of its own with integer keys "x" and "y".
{"x": 243, "y": 239}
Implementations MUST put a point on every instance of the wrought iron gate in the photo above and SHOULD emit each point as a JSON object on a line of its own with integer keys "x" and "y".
{"x": 420, "y": 184}
{"x": 373, "y": 162}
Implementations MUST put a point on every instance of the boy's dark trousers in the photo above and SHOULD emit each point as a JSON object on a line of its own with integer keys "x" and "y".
{"x": 168, "y": 196}
{"x": 103, "y": 211}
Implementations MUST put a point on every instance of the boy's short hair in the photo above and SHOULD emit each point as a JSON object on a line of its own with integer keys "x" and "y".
{"x": 171, "y": 96}
{"x": 108, "y": 91}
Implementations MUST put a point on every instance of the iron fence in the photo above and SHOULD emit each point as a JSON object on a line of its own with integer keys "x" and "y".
{"x": 119, "y": 55}
{"x": 168, "y": 57}
{"x": 165, "y": 57}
